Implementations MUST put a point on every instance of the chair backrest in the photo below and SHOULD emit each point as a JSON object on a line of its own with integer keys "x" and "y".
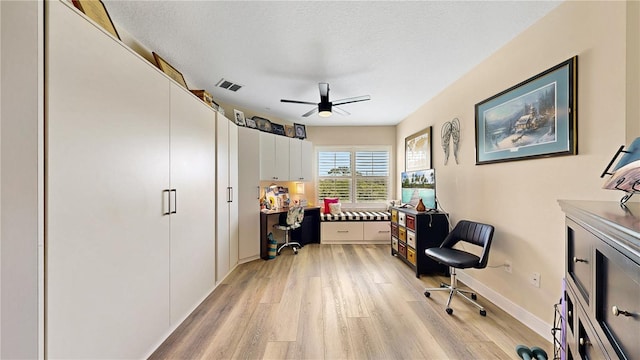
{"x": 295, "y": 215}
{"x": 474, "y": 233}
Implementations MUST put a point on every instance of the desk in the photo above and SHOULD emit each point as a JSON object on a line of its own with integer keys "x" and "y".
{"x": 308, "y": 233}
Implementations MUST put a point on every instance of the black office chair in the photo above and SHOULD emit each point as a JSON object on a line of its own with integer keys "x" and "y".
{"x": 288, "y": 221}
{"x": 468, "y": 232}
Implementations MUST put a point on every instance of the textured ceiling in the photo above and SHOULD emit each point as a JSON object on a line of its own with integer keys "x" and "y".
{"x": 400, "y": 53}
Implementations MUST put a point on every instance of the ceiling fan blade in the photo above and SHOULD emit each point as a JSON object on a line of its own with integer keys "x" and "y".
{"x": 324, "y": 92}
{"x": 352, "y": 100}
{"x": 340, "y": 111}
{"x": 298, "y": 102}
{"x": 312, "y": 111}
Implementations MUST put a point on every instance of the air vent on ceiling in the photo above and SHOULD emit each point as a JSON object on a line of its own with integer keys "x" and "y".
{"x": 225, "y": 84}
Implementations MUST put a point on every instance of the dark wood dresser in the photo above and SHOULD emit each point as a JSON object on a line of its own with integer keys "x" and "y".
{"x": 602, "y": 270}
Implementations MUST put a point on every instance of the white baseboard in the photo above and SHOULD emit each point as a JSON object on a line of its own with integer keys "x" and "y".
{"x": 533, "y": 322}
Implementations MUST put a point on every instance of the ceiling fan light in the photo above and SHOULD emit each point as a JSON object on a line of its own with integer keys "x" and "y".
{"x": 324, "y": 109}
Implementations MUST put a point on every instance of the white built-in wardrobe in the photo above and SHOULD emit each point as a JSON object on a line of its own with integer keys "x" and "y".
{"x": 131, "y": 240}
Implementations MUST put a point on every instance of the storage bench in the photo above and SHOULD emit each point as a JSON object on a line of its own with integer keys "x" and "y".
{"x": 356, "y": 227}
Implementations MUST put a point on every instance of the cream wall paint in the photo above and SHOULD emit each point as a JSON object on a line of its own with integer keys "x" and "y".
{"x": 520, "y": 197}
{"x": 633, "y": 70}
{"x": 352, "y": 135}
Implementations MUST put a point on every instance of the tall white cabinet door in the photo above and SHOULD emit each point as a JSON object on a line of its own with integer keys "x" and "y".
{"x": 193, "y": 176}
{"x": 249, "y": 194}
{"x": 295, "y": 160}
{"x": 234, "y": 204}
{"x": 268, "y": 169}
{"x": 307, "y": 160}
{"x": 223, "y": 197}
{"x": 107, "y": 161}
{"x": 282, "y": 157}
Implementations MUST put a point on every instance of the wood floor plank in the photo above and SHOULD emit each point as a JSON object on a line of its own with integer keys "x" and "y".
{"x": 340, "y": 302}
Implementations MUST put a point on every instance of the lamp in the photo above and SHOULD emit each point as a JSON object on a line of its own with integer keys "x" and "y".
{"x": 324, "y": 109}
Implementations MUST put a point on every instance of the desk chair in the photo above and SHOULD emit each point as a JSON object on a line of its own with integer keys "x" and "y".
{"x": 467, "y": 232}
{"x": 290, "y": 220}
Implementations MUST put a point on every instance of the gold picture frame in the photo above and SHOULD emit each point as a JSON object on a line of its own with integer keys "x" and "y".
{"x": 170, "y": 70}
{"x": 96, "y": 11}
{"x": 417, "y": 151}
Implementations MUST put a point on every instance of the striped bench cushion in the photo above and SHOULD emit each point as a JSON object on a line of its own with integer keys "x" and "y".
{"x": 357, "y": 216}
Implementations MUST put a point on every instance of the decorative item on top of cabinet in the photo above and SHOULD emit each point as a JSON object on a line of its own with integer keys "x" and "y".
{"x": 413, "y": 232}
{"x": 204, "y": 96}
{"x": 170, "y": 70}
{"x": 602, "y": 272}
{"x": 96, "y": 11}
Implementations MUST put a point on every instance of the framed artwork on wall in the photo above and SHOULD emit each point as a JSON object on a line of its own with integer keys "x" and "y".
{"x": 417, "y": 151}
{"x": 535, "y": 118}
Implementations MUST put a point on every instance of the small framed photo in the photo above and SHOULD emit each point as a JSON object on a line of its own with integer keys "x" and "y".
{"x": 277, "y": 129}
{"x": 289, "y": 131}
{"x": 301, "y": 131}
{"x": 251, "y": 123}
{"x": 263, "y": 124}
{"x": 170, "y": 70}
{"x": 239, "y": 115}
{"x": 96, "y": 11}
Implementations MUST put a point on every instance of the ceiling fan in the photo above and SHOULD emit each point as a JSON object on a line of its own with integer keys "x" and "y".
{"x": 324, "y": 107}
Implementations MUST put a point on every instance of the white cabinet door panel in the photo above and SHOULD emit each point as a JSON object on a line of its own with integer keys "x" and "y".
{"x": 223, "y": 193}
{"x": 193, "y": 175}
{"x": 235, "y": 196}
{"x": 107, "y": 161}
{"x": 248, "y": 194}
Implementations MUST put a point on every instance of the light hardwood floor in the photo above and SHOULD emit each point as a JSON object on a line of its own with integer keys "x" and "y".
{"x": 341, "y": 302}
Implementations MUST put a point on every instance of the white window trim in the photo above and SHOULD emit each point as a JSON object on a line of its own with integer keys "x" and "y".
{"x": 357, "y": 206}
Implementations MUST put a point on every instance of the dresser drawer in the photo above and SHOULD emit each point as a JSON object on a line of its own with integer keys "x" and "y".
{"x": 411, "y": 239}
{"x": 394, "y": 243}
{"x": 394, "y": 229}
{"x": 618, "y": 299}
{"x": 411, "y": 222}
{"x": 580, "y": 243}
{"x": 402, "y": 219}
{"x": 377, "y": 231}
{"x": 402, "y": 234}
{"x": 394, "y": 216}
{"x": 411, "y": 255}
{"x": 402, "y": 249}
{"x": 342, "y": 231}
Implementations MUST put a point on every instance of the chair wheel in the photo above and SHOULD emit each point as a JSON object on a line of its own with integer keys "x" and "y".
{"x": 295, "y": 250}
{"x": 443, "y": 285}
{"x": 449, "y": 311}
{"x": 474, "y": 297}
{"x": 427, "y": 294}
{"x": 483, "y": 312}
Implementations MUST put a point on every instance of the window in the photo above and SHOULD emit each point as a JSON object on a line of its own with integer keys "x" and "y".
{"x": 358, "y": 176}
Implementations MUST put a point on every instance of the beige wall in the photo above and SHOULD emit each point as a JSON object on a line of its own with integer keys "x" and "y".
{"x": 520, "y": 197}
{"x": 352, "y": 135}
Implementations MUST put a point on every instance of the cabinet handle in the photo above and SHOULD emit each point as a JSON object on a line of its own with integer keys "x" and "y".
{"x": 175, "y": 201}
{"x": 383, "y": 231}
{"x": 343, "y": 231}
{"x": 229, "y": 194}
{"x": 258, "y": 192}
{"x": 577, "y": 260}
{"x": 617, "y": 312}
{"x": 167, "y": 203}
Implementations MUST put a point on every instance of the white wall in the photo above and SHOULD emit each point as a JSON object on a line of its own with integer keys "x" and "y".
{"x": 520, "y": 197}
{"x": 21, "y": 179}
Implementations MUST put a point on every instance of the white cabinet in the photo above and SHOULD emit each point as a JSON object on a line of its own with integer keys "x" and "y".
{"x": 227, "y": 204}
{"x": 249, "y": 194}
{"x": 274, "y": 157}
{"x": 130, "y": 203}
{"x": 193, "y": 173}
{"x": 107, "y": 243}
{"x": 300, "y": 160}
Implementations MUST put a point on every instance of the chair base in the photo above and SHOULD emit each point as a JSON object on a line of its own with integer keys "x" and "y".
{"x": 294, "y": 245}
{"x": 453, "y": 289}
